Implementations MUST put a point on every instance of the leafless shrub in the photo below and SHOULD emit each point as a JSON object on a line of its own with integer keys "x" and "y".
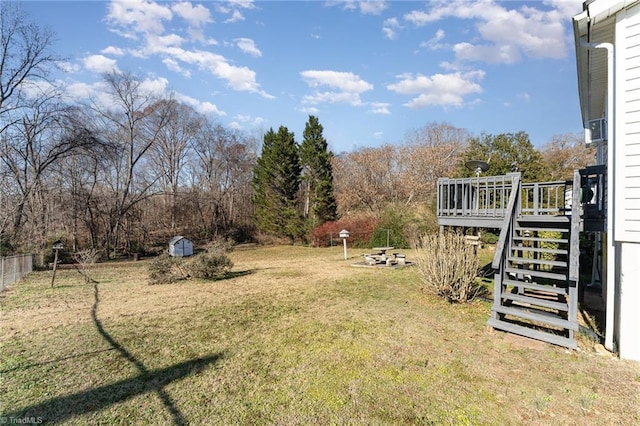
{"x": 165, "y": 269}
{"x": 448, "y": 266}
{"x": 85, "y": 259}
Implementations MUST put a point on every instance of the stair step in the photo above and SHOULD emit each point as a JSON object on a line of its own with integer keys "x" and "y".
{"x": 540, "y": 250}
{"x": 533, "y": 334}
{"x": 540, "y": 274}
{"x": 545, "y": 218}
{"x": 532, "y": 300}
{"x": 527, "y": 261}
{"x": 541, "y": 240}
{"x": 541, "y": 229}
{"x": 536, "y": 286}
{"x": 539, "y": 316}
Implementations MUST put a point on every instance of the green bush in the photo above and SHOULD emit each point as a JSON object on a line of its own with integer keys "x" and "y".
{"x": 489, "y": 237}
{"x": 391, "y": 231}
{"x": 209, "y": 265}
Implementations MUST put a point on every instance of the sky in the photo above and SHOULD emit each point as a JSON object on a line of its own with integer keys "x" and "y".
{"x": 371, "y": 71}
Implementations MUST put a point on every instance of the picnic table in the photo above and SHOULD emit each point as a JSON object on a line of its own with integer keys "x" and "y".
{"x": 382, "y": 250}
{"x": 380, "y": 256}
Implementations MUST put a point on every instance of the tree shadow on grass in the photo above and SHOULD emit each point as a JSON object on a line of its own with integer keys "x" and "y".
{"x": 62, "y": 408}
{"x": 235, "y": 274}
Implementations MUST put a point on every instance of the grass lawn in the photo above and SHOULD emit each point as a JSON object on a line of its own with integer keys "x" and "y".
{"x": 294, "y": 335}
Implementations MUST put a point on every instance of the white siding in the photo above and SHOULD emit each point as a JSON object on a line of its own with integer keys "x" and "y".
{"x": 627, "y": 138}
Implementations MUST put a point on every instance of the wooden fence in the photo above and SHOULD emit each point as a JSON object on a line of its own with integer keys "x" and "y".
{"x": 13, "y": 268}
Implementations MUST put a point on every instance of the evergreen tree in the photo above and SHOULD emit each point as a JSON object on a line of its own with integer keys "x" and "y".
{"x": 319, "y": 200}
{"x": 276, "y": 182}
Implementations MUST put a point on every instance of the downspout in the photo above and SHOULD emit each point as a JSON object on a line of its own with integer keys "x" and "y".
{"x": 611, "y": 252}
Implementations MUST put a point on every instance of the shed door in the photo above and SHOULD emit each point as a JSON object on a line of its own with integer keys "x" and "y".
{"x": 627, "y": 136}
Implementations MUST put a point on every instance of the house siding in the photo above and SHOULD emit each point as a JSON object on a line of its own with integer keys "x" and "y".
{"x": 627, "y": 183}
{"x": 627, "y": 196}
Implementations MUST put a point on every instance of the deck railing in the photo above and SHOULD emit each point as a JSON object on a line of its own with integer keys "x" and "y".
{"x": 488, "y": 197}
{"x": 474, "y": 197}
{"x": 546, "y": 198}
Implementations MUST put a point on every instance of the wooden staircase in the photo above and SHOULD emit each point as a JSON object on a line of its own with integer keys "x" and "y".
{"x": 533, "y": 294}
{"x": 537, "y": 254}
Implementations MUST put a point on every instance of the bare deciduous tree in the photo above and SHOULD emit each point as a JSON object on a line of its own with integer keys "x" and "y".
{"x": 25, "y": 57}
{"x": 566, "y": 153}
{"x": 126, "y": 124}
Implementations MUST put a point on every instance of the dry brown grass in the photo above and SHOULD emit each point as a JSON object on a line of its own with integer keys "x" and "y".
{"x": 294, "y": 335}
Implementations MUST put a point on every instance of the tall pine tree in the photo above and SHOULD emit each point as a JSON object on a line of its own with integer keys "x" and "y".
{"x": 277, "y": 182}
{"x": 319, "y": 200}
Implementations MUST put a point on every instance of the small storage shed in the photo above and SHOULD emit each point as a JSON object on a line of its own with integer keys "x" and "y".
{"x": 180, "y": 246}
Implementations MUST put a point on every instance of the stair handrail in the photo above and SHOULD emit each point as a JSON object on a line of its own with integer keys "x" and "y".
{"x": 507, "y": 221}
{"x": 574, "y": 247}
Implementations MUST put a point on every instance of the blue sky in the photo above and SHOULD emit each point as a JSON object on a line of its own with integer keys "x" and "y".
{"x": 370, "y": 71}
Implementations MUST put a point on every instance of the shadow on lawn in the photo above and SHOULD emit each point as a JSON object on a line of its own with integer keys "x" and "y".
{"x": 62, "y": 408}
{"x": 235, "y": 274}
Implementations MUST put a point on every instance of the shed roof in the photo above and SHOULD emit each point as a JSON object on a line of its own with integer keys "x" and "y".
{"x": 176, "y": 239}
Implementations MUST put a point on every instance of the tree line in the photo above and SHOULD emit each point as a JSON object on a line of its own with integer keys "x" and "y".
{"x": 125, "y": 172}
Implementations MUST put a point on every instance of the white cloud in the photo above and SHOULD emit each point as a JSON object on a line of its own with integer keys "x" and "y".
{"x": 310, "y": 110}
{"x": 525, "y": 97}
{"x": 99, "y": 64}
{"x": 439, "y": 89}
{"x": 380, "y": 108}
{"x": 345, "y": 81}
{"x": 138, "y": 16}
{"x": 236, "y": 16}
{"x": 366, "y": 7}
{"x": 506, "y": 34}
{"x": 241, "y": 121}
{"x": 567, "y": 8}
{"x": 238, "y": 78}
{"x": 248, "y": 46}
{"x": 348, "y": 87}
{"x": 389, "y": 28}
{"x": 145, "y": 19}
{"x": 175, "y": 67}
{"x": 68, "y": 67}
{"x": 112, "y": 50}
{"x": 506, "y": 54}
{"x": 372, "y": 7}
{"x": 243, "y": 118}
{"x": 196, "y": 16}
{"x": 158, "y": 43}
{"x": 155, "y": 86}
{"x": 206, "y": 108}
{"x": 434, "y": 42}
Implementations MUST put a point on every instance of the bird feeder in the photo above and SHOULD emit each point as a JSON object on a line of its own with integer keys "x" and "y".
{"x": 57, "y": 246}
{"x": 344, "y": 234}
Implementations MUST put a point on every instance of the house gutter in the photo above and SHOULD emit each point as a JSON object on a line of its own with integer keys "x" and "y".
{"x": 611, "y": 248}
